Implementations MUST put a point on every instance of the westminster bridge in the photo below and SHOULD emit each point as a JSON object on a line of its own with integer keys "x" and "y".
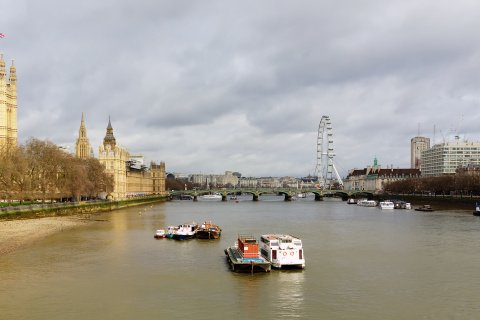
{"x": 288, "y": 193}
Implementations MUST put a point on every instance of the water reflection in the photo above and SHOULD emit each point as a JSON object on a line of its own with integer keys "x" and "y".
{"x": 290, "y": 295}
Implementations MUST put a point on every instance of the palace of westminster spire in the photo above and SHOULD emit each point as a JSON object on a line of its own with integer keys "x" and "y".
{"x": 8, "y": 105}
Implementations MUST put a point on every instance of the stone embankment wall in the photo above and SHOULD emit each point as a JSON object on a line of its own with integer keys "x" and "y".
{"x": 72, "y": 208}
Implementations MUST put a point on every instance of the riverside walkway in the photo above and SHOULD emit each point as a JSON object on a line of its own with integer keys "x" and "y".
{"x": 288, "y": 193}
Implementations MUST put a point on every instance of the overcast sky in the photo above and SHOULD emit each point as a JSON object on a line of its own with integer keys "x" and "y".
{"x": 215, "y": 85}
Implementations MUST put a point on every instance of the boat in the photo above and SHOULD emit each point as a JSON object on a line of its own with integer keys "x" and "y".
{"x": 387, "y": 204}
{"x": 351, "y": 201}
{"x": 244, "y": 256}
{"x": 367, "y": 203}
{"x": 399, "y": 204}
{"x": 160, "y": 234}
{"x": 170, "y": 232}
{"x": 208, "y": 231}
{"x": 185, "y": 231}
{"x": 301, "y": 195}
{"x": 211, "y": 196}
{"x": 425, "y": 208}
{"x": 477, "y": 210}
{"x": 233, "y": 197}
{"x": 408, "y": 206}
{"x": 282, "y": 250}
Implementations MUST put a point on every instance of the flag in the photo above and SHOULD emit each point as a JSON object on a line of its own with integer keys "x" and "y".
{"x": 2, "y": 35}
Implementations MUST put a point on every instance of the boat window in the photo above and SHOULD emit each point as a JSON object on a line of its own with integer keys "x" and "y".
{"x": 297, "y": 243}
{"x": 274, "y": 243}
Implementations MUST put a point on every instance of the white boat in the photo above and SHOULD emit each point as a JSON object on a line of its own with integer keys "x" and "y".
{"x": 282, "y": 250}
{"x": 301, "y": 195}
{"x": 212, "y": 196}
{"x": 160, "y": 234}
{"x": 351, "y": 201}
{"x": 185, "y": 231}
{"x": 408, "y": 206}
{"x": 367, "y": 203}
{"x": 387, "y": 205}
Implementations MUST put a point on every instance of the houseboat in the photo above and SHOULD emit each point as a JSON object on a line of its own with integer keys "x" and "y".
{"x": 244, "y": 256}
{"x": 282, "y": 250}
{"x": 387, "y": 204}
{"x": 160, "y": 234}
{"x": 208, "y": 231}
{"x": 185, "y": 231}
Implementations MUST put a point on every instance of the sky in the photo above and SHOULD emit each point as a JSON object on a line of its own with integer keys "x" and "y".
{"x": 213, "y": 85}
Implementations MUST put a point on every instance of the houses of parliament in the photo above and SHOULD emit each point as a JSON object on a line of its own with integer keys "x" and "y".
{"x": 130, "y": 174}
{"x": 8, "y": 106}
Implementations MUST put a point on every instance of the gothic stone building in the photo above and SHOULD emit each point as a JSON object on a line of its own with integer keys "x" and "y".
{"x": 130, "y": 179}
{"x": 8, "y": 106}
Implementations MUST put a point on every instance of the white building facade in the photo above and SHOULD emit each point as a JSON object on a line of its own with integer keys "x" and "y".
{"x": 445, "y": 158}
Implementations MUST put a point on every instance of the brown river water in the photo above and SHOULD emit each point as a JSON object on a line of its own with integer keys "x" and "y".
{"x": 361, "y": 263}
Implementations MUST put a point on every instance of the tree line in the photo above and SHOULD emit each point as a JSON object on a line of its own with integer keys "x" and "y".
{"x": 467, "y": 184}
{"x": 40, "y": 170}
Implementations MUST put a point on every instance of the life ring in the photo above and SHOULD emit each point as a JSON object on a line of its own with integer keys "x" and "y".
{"x": 284, "y": 253}
{"x": 292, "y": 253}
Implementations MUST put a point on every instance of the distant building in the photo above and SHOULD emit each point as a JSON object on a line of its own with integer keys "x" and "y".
{"x": 82, "y": 147}
{"x": 131, "y": 176}
{"x": 214, "y": 180}
{"x": 445, "y": 158}
{"x": 374, "y": 178}
{"x": 417, "y": 145}
{"x": 8, "y": 106}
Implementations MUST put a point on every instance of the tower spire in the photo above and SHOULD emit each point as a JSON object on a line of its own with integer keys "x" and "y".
{"x": 82, "y": 148}
{"x": 3, "y": 72}
{"x": 13, "y": 74}
{"x": 109, "y": 138}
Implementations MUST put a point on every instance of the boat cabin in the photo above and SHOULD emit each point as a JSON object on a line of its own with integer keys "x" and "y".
{"x": 282, "y": 250}
{"x": 248, "y": 246}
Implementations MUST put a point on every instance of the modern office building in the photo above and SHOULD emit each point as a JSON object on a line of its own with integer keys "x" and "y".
{"x": 418, "y": 144}
{"x": 445, "y": 158}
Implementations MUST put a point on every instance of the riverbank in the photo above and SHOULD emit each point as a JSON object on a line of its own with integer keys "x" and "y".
{"x": 20, "y": 228}
{"x": 20, "y": 233}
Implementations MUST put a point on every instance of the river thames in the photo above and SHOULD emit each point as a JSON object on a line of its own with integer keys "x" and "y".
{"x": 361, "y": 263}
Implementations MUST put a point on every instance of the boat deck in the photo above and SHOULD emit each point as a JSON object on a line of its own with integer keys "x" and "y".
{"x": 240, "y": 264}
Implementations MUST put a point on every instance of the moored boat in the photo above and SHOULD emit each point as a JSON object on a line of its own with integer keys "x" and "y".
{"x": 387, "y": 204}
{"x": 352, "y": 201}
{"x": 208, "y": 231}
{"x": 211, "y": 196}
{"x": 477, "y": 210}
{"x": 159, "y": 234}
{"x": 185, "y": 231}
{"x": 425, "y": 208}
{"x": 244, "y": 256}
{"x": 367, "y": 203}
{"x": 170, "y": 232}
{"x": 282, "y": 250}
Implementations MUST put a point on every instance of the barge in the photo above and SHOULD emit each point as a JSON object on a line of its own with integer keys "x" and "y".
{"x": 244, "y": 256}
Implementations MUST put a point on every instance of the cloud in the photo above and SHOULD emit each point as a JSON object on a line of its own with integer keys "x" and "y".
{"x": 212, "y": 86}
